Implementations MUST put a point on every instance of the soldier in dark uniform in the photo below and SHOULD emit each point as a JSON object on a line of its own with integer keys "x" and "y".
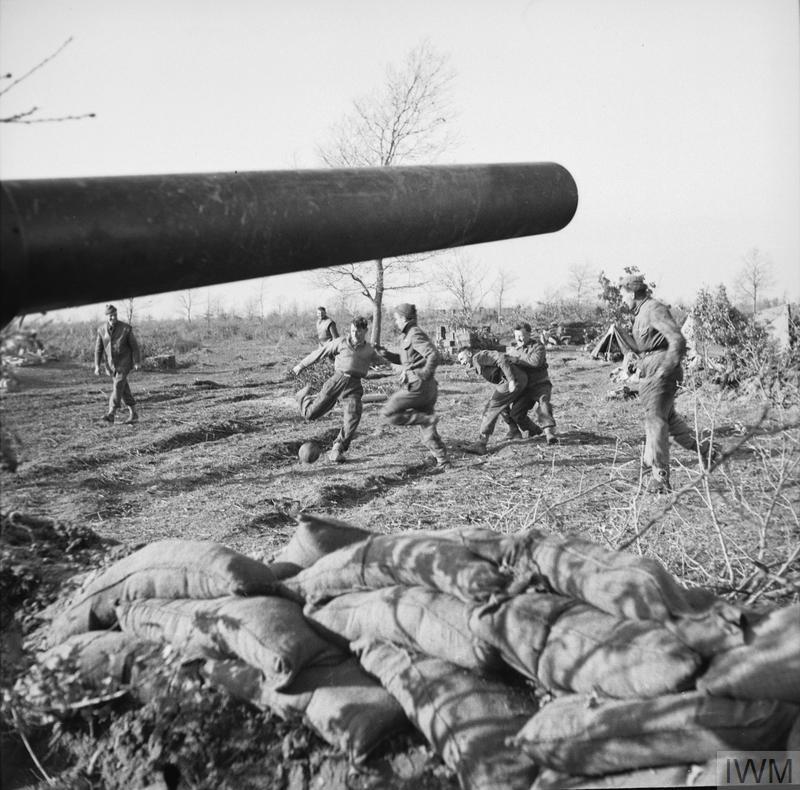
{"x": 661, "y": 348}
{"x": 531, "y": 355}
{"x": 117, "y": 344}
{"x": 352, "y": 357}
{"x": 509, "y": 389}
{"x": 413, "y": 403}
{"x": 326, "y": 327}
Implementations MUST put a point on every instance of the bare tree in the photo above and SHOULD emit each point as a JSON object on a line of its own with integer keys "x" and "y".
{"x": 27, "y": 116}
{"x": 501, "y": 285}
{"x": 579, "y": 277}
{"x": 186, "y": 299}
{"x": 754, "y": 276}
{"x": 404, "y": 121}
{"x": 464, "y": 281}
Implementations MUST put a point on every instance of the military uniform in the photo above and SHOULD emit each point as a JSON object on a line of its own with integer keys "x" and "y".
{"x": 350, "y": 364}
{"x": 661, "y": 348}
{"x": 532, "y": 358}
{"x": 498, "y": 369}
{"x": 326, "y": 330}
{"x": 121, "y": 351}
{"x": 414, "y": 403}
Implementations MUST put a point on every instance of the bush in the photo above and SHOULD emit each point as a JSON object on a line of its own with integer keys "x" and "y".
{"x": 744, "y": 350}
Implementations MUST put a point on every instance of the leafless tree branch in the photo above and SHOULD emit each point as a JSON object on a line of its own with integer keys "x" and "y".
{"x": 25, "y": 117}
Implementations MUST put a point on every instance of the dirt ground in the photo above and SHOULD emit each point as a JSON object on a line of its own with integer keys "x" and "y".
{"x": 214, "y": 456}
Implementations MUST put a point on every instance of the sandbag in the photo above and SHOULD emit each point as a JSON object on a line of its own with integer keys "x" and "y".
{"x": 283, "y": 570}
{"x": 438, "y": 560}
{"x": 269, "y": 633}
{"x": 423, "y": 620}
{"x": 588, "y": 650}
{"x": 518, "y": 627}
{"x": 316, "y": 536}
{"x": 102, "y": 659}
{"x": 164, "y": 569}
{"x": 624, "y": 585}
{"x": 466, "y": 717}
{"x": 668, "y": 776}
{"x": 347, "y": 707}
{"x": 767, "y": 667}
{"x": 578, "y": 735}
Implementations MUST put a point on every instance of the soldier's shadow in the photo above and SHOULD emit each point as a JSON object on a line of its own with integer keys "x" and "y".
{"x": 568, "y": 438}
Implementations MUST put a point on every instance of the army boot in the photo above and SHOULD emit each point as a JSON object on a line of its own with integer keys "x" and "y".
{"x": 132, "y": 416}
{"x": 336, "y": 454}
{"x": 513, "y": 434}
{"x": 550, "y": 435}
{"x": 108, "y": 416}
{"x": 479, "y": 447}
{"x": 659, "y": 482}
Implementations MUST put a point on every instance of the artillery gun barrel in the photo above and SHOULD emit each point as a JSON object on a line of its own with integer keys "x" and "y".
{"x": 73, "y": 241}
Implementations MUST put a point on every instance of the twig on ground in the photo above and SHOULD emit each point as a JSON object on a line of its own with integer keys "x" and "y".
{"x": 676, "y": 495}
{"x": 29, "y": 748}
{"x": 771, "y": 578}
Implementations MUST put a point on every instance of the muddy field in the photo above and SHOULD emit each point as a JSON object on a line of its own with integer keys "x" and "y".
{"x": 214, "y": 456}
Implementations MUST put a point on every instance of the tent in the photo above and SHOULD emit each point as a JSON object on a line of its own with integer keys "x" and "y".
{"x": 778, "y": 322}
{"x": 615, "y": 343}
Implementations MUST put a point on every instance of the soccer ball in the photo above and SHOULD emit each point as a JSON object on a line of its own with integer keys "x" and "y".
{"x": 309, "y": 452}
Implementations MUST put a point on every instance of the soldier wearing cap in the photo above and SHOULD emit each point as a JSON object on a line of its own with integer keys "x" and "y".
{"x": 352, "y": 357}
{"x": 326, "y": 327}
{"x": 413, "y": 403}
{"x": 531, "y": 355}
{"x": 116, "y": 345}
{"x": 509, "y": 381}
{"x": 661, "y": 348}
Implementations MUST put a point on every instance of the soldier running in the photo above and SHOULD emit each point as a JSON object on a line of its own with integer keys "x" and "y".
{"x": 413, "y": 403}
{"x": 509, "y": 389}
{"x": 661, "y": 348}
{"x": 117, "y": 344}
{"x": 326, "y": 327}
{"x": 531, "y": 355}
{"x": 352, "y": 357}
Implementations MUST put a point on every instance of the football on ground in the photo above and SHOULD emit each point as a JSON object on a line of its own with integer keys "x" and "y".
{"x": 309, "y": 452}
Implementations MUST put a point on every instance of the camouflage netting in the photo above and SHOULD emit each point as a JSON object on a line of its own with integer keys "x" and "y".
{"x": 529, "y": 660}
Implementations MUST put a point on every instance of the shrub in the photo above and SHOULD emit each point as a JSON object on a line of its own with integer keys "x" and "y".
{"x": 744, "y": 350}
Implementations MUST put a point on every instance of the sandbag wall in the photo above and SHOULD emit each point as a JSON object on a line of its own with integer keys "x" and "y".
{"x": 462, "y": 634}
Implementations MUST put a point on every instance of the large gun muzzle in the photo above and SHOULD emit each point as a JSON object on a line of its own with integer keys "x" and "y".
{"x": 73, "y": 241}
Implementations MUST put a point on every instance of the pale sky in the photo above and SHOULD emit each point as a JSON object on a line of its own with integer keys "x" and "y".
{"x": 678, "y": 119}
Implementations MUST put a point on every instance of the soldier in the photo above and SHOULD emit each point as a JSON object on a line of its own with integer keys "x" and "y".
{"x": 414, "y": 402}
{"x": 117, "y": 343}
{"x": 661, "y": 348}
{"x": 326, "y": 327}
{"x": 509, "y": 380}
{"x": 352, "y": 357}
{"x": 531, "y": 356}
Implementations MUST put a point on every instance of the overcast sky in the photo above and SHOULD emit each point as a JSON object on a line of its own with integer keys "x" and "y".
{"x": 678, "y": 119}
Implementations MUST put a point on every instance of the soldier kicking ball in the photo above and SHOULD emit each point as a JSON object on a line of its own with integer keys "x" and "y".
{"x": 352, "y": 357}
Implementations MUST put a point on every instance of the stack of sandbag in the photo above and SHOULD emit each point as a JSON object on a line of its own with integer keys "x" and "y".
{"x": 737, "y": 677}
{"x": 460, "y": 632}
{"x": 212, "y": 604}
